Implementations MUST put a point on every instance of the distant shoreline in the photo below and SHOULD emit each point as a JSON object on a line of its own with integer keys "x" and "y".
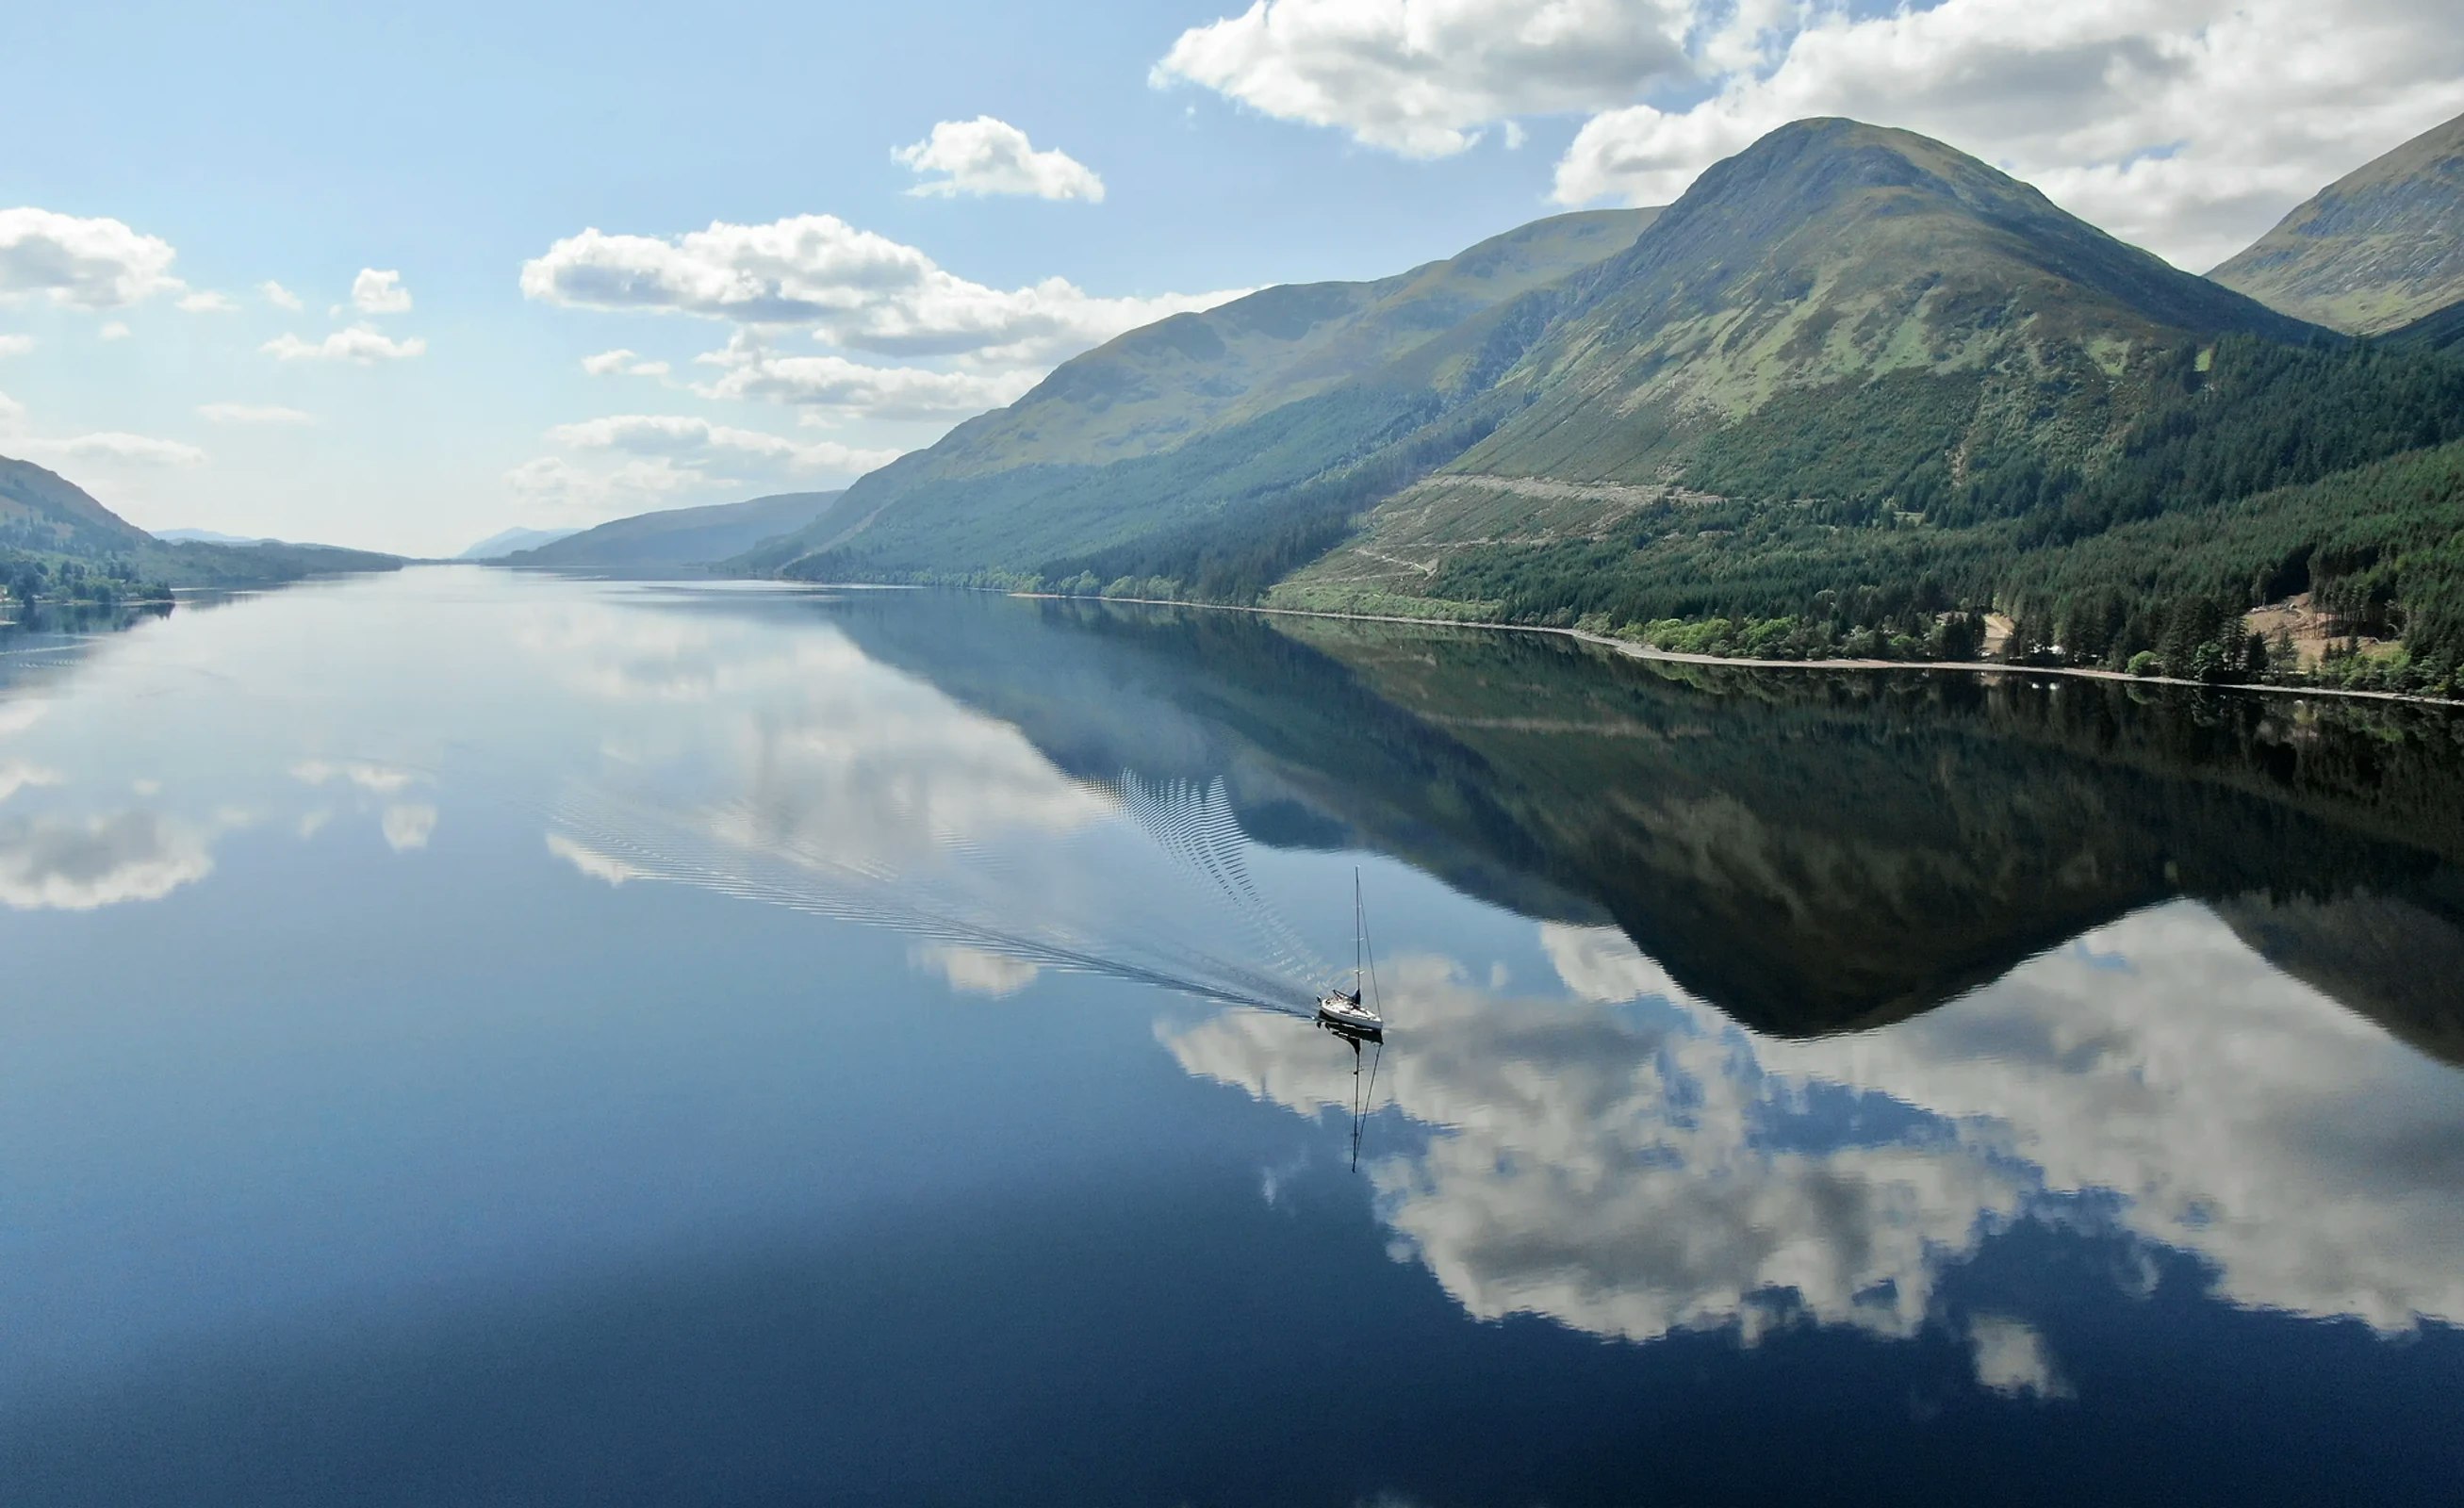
{"x": 1676, "y": 657}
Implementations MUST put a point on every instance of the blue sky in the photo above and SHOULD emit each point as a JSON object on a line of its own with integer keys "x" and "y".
{"x": 1236, "y": 146}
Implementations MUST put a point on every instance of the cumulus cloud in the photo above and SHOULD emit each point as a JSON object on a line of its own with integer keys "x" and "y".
{"x": 622, "y": 363}
{"x": 590, "y": 861}
{"x": 2012, "y": 1360}
{"x": 2187, "y": 126}
{"x": 972, "y": 971}
{"x": 358, "y": 344}
{"x": 1422, "y": 76}
{"x": 634, "y": 462}
{"x": 279, "y": 296}
{"x": 15, "y": 344}
{"x": 852, "y": 288}
{"x": 692, "y": 441}
{"x": 20, "y": 776}
{"x": 986, "y": 156}
{"x": 66, "y": 863}
{"x": 206, "y": 303}
{"x": 114, "y": 330}
{"x": 407, "y": 825}
{"x": 748, "y": 370}
{"x": 87, "y": 263}
{"x": 381, "y": 780}
{"x": 1603, "y": 965}
{"x": 254, "y": 414}
{"x": 379, "y": 293}
{"x": 1636, "y": 1169}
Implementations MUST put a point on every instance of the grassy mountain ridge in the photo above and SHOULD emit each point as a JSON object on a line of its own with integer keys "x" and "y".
{"x": 1865, "y": 297}
{"x": 675, "y": 539}
{"x": 55, "y": 537}
{"x": 1280, "y": 386}
{"x": 2373, "y": 250}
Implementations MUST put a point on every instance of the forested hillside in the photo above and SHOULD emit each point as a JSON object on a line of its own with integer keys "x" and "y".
{"x": 1852, "y": 394}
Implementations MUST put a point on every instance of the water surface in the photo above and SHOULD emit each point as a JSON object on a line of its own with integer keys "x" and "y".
{"x": 478, "y": 1038}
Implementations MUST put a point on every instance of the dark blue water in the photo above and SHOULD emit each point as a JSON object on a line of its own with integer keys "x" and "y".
{"x": 478, "y": 1038}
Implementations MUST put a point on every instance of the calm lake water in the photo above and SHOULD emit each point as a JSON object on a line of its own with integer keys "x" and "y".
{"x": 468, "y": 1037}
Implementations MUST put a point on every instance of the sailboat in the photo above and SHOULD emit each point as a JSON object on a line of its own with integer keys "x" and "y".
{"x": 1343, "y": 1010}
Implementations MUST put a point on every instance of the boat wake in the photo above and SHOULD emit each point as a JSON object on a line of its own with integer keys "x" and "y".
{"x": 1152, "y": 900}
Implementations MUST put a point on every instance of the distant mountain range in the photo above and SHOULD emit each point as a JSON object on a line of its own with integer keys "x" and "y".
{"x": 2376, "y": 250}
{"x": 46, "y": 519}
{"x": 677, "y": 538}
{"x": 496, "y": 546}
{"x": 1853, "y": 385}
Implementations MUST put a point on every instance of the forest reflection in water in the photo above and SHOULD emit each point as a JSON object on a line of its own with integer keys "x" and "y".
{"x": 1898, "y": 1010}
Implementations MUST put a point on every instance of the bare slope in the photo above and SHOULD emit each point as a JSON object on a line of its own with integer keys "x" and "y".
{"x": 2377, "y": 249}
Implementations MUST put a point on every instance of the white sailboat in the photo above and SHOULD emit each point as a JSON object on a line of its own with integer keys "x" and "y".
{"x": 1345, "y": 1009}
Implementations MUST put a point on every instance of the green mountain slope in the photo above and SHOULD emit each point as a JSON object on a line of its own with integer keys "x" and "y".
{"x": 1841, "y": 310}
{"x": 2379, "y": 247}
{"x": 43, "y": 510}
{"x": 48, "y": 523}
{"x": 2440, "y": 330}
{"x": 1197, "y": 415}
{"x": 677, "y": 538}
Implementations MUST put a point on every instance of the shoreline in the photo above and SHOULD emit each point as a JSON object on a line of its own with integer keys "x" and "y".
{"x": 1676, "y": 657}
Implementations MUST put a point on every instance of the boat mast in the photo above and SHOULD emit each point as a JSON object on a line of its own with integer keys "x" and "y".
{"x": 1356, "y": 928}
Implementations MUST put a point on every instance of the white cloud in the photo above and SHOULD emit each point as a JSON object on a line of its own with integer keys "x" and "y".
{"x": 1422, "y": 76}
{"x": 972, "y": 971}
{"x": 12, "y": 412}
{"x": 2011, "y": 1359}
{"x": 279, "y": 296}
{"x": 1635, "y": 1169}
{"x": 1603, "y": 965}
{"x": 591, "y": 862}
{"x": 20, "y": 776}
{"x": 2187, "y": 126}
{"x": 114, "y": 330}
{"x": 622, "y": 363}
{"x": 64, "y": 864}
{"x": 254, "y": 414}
{"x": 358, "y": 344}
{"x": 206, "y": 303}
{"x": 15, "y": 344}
{"x": 855, "y": 288}
{"x": 645, "y": 461}
{"x": 697, "y": 442}
{"x": 379, "y": 293}
{"x": 986, "y": 156}
{"x": 89, "y": 263}
{"x": 380, "y": 779}
{"x": 750, "y": 370}
{"x": 407, "y": 825}
{"x": 116, "y": 446}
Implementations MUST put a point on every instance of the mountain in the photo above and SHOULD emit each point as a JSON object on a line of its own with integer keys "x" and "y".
{"x": 677, "y": 538}
{"x": 209, "y": 536}
{"x": 2378, "y": 247}
{"x": 2440, "y": 330}
{"x": 1198, "y": 415}
{"x": 43, "y": 510}
{"x": 1839, "y": 311}
{"x": 497, "y": 546}
{"x": 46, "y": 520}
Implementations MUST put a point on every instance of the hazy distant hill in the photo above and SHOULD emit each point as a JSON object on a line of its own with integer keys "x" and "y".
{"x": 1201, "y": 415}
{"x": 46, "y": 518}
{"x": 209, "y": 536}
{"x": 496, "y": 546}
{"x": 678, "y": 539}
{"x": 2376, "y": 249}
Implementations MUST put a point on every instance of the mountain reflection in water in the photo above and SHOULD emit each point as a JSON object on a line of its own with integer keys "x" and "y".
{"x": 1850, "y": 1026}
